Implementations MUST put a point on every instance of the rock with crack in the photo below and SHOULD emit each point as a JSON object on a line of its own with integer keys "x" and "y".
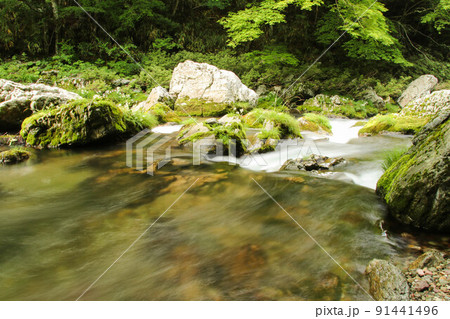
{"x": 202, "y": 89}
{"x": 418, "y": 88}
{"x": 312, "y": 163}
{"x": 18, "y": 101}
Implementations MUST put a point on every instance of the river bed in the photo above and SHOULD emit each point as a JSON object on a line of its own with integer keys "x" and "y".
{"x": 67, "y": 215}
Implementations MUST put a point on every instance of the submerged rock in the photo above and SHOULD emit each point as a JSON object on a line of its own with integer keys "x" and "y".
{"x": 81, "y": 122}
{"x": 418, "y": 88}
{"x": 313, "y": 163}
{"x": 14, "y": 156}
{"x": 204, "y": 90}
{"x": 18, "y": 101}
{"x": 386, "y": 282}
{"x": 416, "y": 188}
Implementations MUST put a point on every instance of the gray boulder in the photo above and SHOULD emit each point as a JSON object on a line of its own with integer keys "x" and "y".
{"x": 386, "y": 282}
{"x": 157, "y": 95}
{"x": 428, "y": 105}
{"x": 416, "y": 188}
{"x": 372, "y": 96}
{"x": 418, "y": 88}
{"x": 18, "y": 101}
{"x": 199, "y": 84}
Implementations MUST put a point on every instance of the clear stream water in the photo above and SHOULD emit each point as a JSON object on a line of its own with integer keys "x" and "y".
{"x": 67, "y": 215}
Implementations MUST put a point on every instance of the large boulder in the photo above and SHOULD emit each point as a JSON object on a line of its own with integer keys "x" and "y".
{"x": 157, "y": 95}
{"x": 416, "y": 187}
{"x": 386, "y": 282}
{"x": 82, "y": 122}
{"x": 18, "y": 101}
{"x": 203, "y": 89}
{"x": 428, "y": 105}
{"x": 418, "y": 88}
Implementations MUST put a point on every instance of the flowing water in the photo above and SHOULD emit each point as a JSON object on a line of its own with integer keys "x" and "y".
{"x": 67, "y": 215}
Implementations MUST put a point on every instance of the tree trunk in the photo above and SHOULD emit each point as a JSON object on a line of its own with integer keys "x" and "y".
{"x": 56, "y": 22}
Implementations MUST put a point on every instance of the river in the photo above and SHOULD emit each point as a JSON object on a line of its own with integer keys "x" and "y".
{"x": 67, "y": 215}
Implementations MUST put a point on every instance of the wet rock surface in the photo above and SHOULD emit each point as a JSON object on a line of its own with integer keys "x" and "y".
{"x": 313, "y": 163}
{"x": 386, "y": 281}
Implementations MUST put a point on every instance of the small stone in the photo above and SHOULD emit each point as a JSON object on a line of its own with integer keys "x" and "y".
{"x": 427, "y": 272}
{"x": 420, "y": 272}
{"x": 421, "y": 285}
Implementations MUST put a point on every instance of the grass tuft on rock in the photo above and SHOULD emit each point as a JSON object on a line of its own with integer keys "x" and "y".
{"x": 393, "y": 123}
{"x": 314, "y": 123}
{"x": 392, "y": 156}
{"x": 287, "y": 125}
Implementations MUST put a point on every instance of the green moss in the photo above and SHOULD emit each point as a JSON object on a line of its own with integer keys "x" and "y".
{"x": 198, "y": 107}
{"x": 394, "y": 123}
{"x": 164, "y": 113}
{"x": 287, "y": 125}
{"x": 81, "y": 122}
{"x": 392, "y": 156}
{"x": 314, "y": 123}
{"x": 395, "y": 172}
{"x": 15, "y": 155}
{"x": 273, "y": 134}
{"x": 233, "y": 132}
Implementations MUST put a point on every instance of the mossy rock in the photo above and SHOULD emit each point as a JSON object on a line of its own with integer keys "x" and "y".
{"x": 393, "y": 123}
{"x": 198, "y": 107}
{"x": 164, "y": 113}
{"x": 82, "y": 122}
{"x": 274, "y": 124}
{"x": 228, "y": 133}
{"x": 416, "y": 187}
{"x": 14, "y": 156}
{"x": 314, "y": 123}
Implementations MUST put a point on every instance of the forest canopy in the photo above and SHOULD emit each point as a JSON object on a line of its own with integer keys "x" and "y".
{"x": 408, "y": 36}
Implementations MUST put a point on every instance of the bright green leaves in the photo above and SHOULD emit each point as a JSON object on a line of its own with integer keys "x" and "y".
{"x": 246, "y": 25}
{"x": 368, "y": 31}
{"x": 439, "y": 17}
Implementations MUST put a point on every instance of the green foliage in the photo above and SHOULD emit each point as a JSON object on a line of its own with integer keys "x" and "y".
{"x": 285, "y": 123}
{"x": 439, "y": 16}
{"x": 393, "y": 88}
{"x": 392, "y": 156}
{"x": 394, "y": 123}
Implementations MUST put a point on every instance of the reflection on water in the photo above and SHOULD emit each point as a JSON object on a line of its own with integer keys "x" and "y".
{"x": 67, "y": 215}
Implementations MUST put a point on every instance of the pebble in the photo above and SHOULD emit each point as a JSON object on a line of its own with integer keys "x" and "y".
{"x": 421, "y": 285}
{"x": 420, "y": 272}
